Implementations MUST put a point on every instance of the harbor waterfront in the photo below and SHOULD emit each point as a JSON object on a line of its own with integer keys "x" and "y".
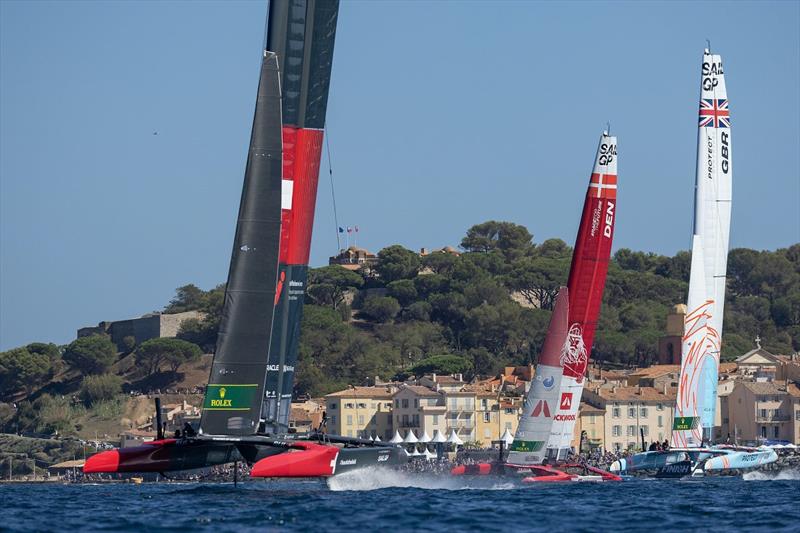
{"x": 393, "y": 501}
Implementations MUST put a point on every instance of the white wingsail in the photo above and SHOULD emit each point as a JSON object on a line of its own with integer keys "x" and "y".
{"x": 697, "y": 388}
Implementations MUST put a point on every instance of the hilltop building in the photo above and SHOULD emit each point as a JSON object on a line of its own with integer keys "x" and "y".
{"x": 146, "y": 327}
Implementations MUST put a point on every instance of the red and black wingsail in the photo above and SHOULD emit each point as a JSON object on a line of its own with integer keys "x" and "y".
{"x": 302, "y": 34}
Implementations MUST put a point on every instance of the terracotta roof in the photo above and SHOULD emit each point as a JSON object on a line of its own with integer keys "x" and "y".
{"x": 656, "y": 371}
{"x": 765, "y": 387}
{"x": 793, "y": 390}
{"x": 419, "y": 390}
{"x": 379, "y": 393}
{"x": 626, "y": 394}
{"x": 728, "y": 368}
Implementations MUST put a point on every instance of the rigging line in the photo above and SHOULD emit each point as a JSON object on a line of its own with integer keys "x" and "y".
{"x": 333, "y": 193}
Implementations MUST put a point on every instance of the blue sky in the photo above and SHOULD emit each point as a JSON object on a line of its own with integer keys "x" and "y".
{"x": 441, "y": 115}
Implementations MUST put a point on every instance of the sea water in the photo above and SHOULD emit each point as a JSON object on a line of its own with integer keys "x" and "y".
{"x": 391, "y": 501}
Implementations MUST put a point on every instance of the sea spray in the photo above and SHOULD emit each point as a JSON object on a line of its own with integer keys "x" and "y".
{"x": 383, "y": 478}
{"x": 789, "y": 474}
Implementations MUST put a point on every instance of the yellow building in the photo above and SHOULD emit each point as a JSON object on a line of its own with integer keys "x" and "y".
{"x": 627, "y": 412}
{"x": 759, "y": 411}
{"x": 361, "y": 412}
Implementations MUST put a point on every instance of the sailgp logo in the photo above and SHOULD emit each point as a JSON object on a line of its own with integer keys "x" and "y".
{"x": 548, "y": 382}
{"x": 541, "y": 409}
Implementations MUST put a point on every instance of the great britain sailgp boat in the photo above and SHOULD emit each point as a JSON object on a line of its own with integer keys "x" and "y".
{"x": 691, "y": 452}
{"x": 246, "y": 406}
{"x": 540, "y": 450}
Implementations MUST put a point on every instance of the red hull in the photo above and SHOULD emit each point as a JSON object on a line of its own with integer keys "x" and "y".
{"x": 308, "y": 460}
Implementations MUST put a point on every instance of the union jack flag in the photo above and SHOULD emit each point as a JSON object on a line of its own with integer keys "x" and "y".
{"x": 715, "y": 113}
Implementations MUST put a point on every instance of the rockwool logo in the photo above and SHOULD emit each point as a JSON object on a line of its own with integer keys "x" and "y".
{"x": 541, "y": 409}
{"x": 566, "y": 401}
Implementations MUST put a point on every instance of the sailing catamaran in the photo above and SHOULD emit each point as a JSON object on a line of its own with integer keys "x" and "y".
{"x": 696, "y": 402}
{"x": 541, "y": 446}
{"x": 246, "y": 406}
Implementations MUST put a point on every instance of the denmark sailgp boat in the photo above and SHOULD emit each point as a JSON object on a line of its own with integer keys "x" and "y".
{"x": 691, "y": 451}
{"x": 246, "y": 406}
{"x": 541, "y": 446}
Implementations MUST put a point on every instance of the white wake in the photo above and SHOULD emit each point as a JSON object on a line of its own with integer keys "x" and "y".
{"x": 384, "y": 478}
{"x": 783, "y": 475}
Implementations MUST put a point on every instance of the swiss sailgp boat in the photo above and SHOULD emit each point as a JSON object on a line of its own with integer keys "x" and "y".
{"x": 541, "y": 446}
{"x": 695, "y": 407}
{"x": 246, "y": 406}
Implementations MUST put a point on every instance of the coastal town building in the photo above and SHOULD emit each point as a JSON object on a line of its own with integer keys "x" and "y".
{"x": 669, "y": 346}
{"x": 361, "y": 412}
{"x": 627, "y": 413}
{"x": 760, "y": 411}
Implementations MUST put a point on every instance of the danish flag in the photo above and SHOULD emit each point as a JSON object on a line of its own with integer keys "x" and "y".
{"x": 714, "y": 113}
{"x": 605, "y": 184}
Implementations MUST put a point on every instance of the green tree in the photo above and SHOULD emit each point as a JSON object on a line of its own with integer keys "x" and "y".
{"x": 21, "y": 369}
{"x": 91, "y": 355}
{"x": 154, "y": 353}
{"x": 442, "y": 364}
{"x": 511, "y": 239}
{"x": 103, "y": 387}
{"x": 328, "y": 285}
{"x": 381, "y": 308}
{"x": 403, "y": 290}
{"x": 187, "y": 298}
{"x": 538, "y": 279}
{"x": 396, "y": 262}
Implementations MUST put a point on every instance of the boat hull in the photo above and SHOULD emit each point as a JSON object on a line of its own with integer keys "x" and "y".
{"x": 538, "y": 473}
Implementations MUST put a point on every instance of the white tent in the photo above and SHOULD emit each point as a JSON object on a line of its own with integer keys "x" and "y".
{"x": 414, "y": 453}
{"x": 397, "y": 439}
{"x": 425, "y": 437}
{"x": 453, "y": 438}
{"x": 438, "y": 437}
{"x": 377, "y": 438}
{"x": 411, "y": 438}
{"x": 428, "y": 454}
{"x": 507, "y": 437}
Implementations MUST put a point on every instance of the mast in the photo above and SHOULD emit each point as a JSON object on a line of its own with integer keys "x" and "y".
{"x": 231, "y": 405}
{"x": 697, "y": 388}
{"x": 541, "y": 401}
{"x": 302, "y": 34}
{"x": 587, "y": 280}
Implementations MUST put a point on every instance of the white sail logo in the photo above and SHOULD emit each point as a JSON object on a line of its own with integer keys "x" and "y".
{"x": 574, "y": 350}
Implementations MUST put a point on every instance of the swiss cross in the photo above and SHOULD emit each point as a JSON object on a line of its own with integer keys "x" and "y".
{"x": 604, "y": 182}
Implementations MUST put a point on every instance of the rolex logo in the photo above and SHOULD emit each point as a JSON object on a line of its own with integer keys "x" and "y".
{"x": 222, "y": 392}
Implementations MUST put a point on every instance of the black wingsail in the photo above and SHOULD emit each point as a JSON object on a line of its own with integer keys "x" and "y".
{"x": 233, "y": 398}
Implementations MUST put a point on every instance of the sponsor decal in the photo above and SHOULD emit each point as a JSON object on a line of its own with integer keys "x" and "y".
{"x": 383, "y": 458}
{"x": 277, "y": 368}
{"x": 566, "y": 402}
{"x": 676, "y": 468}
{"x": 541, "y": 409}
{"x": 573, "y": 354}
{"x": 526, "y": 445}
{"x": 347, "y": 462}
{"x": 595, "y": 220}
{"x": 564, "y": 418}
{"x": 229, "y": 397}
{"x": 685, "y": 423}
{"x": 548, "y": 382}
{"x": 279, "y": 288}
